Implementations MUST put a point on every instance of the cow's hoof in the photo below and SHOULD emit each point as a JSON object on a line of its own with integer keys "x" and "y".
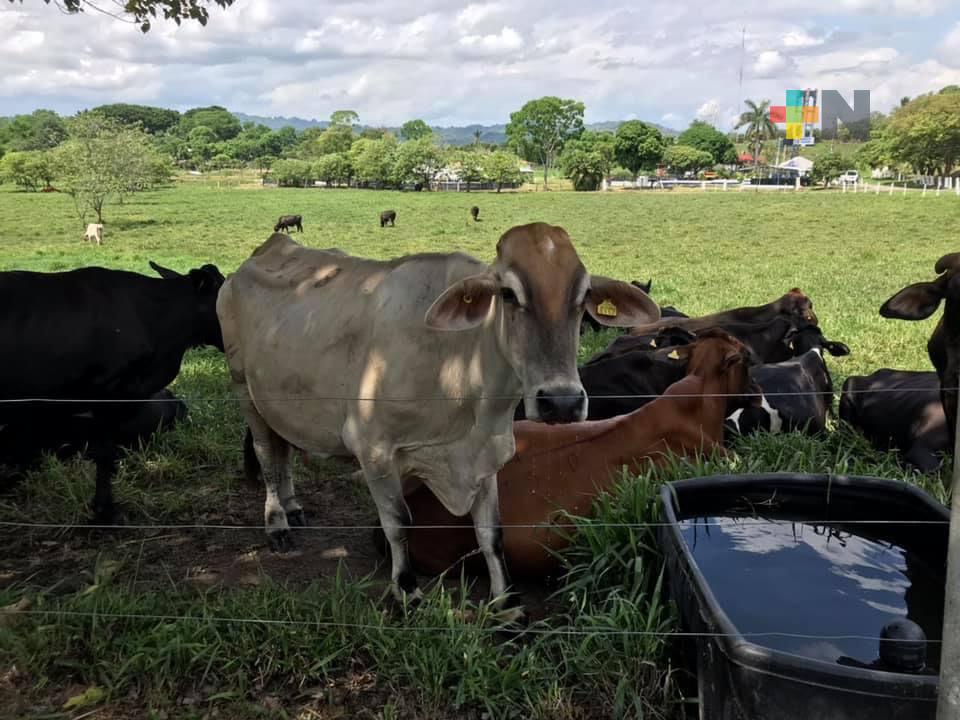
{"x": 297, "y": 518}
{"x": 281, "y": 541}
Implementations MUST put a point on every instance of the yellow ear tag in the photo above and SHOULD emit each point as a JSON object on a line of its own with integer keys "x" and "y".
{"x": 674, "y": 355}
{"x": 653, "y": 343}
{"x": 468, "y": 299}
{"x": 607, "y": 308}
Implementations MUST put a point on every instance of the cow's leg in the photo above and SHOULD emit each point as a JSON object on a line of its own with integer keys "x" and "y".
{"x": 105, "y": 456}
{"x": 273, "y": 453}
{"x": 486, "y": 523}
{"x": 387, "y": 491}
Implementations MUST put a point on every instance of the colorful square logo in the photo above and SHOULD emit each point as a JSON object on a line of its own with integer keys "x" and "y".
{"x": 796, "y": 113}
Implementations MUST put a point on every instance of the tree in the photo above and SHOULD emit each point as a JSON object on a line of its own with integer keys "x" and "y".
{"x": 502, "y": 167}
{"x": 373, "y": 133}
{"x": 827, "y": 167}
{"x": 373, "y": 160}
{"x": 706, "y": 137}
{"x": 153, "y": 120}
{"x": 417, "y": 161}
{"x": 414, "y": 130}
{"x": 334, "y": 169}
{"x": 41, "y": 130}
{"x": 683, "y": 158}
{"x": 588, "y": 160}
{"x": 759, "y": 127}
{"x": 926, "y": 133}
{"x": 344, "y": 118}
{"x": 218, "y": 119}
{"x": 638, "y": 146}
{"x": 335, "y": 139}
{"x": 293, "y": 173}
{"x": 142, "y": 12}
{"x": 104, "y": 160}
{"x": 539, "y": 130}
{"x": 28, "y": 170}
{"x": 844, "y": 134}
{"x": 470, "y": 164}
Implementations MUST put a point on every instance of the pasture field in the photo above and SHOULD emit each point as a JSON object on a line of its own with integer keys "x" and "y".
{"x": 185, "y": 620}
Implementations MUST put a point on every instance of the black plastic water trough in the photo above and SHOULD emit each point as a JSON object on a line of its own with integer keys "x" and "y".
{"x": 790, "y": 576}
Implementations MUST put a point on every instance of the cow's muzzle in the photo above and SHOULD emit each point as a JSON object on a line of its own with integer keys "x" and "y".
{"x": 562, "y": 404}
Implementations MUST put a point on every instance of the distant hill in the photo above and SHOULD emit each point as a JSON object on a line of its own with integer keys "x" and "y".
{"x": 453, "y": 135}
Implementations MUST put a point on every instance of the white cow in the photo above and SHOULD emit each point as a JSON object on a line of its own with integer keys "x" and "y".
{"x": 94, "y": 233}
{"x": 414, "y": 366}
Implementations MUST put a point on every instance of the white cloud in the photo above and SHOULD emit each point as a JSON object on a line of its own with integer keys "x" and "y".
{"x": 477, "y": 61}
{"x": 507, "y": 40}
{"x": 949, "y": 50}
{"x": 770, "y": 63}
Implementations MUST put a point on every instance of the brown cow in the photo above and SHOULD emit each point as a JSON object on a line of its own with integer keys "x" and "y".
{"x": 795, "y": 305}
{"x": 563, "y": 467}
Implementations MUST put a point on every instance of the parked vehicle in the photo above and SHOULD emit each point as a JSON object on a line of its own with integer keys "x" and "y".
{"x": 850, "y": 176}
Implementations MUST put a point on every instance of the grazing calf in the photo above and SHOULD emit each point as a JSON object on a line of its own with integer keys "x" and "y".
{"x": 388, "y": 216}
{"x": 589, "y": 323}
{"x": 561, "y": 468}
{"x": 23, "y": 441}
{"x": 795, "y": 306}
{"x": 99, "y": 338}
{"x": 899, "y": 409}
{"x": 921, "y": 300}
{"x": 94, "y": 233}
{"x": 289, "y": 221}
{"x": 335, "y": 354}
{"x": 475, "y": 213}
{"x": 797, "y": 393}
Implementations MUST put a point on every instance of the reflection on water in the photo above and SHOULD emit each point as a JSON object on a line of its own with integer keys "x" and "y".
{"x": 790, "y": 577}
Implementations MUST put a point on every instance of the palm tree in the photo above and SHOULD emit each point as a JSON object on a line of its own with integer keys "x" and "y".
{"x": 759, "y": 127}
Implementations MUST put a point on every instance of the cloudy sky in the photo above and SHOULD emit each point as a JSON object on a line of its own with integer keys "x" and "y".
{"x": 450, "y": 63}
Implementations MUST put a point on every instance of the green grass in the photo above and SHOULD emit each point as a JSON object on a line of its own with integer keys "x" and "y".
{"x": 704, "y": 251}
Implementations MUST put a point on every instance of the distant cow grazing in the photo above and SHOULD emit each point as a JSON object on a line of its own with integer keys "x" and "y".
{"x": 289, "y": 221}
{"x": 475, "y": 213}
{"x": 921, "y": 300}
{"x": 562, "y": 468}
{"x": 92, "y": 336}
{"x": 388, "y": 216}
{"x": 94, "y": 233}
{"x": 335, "y": 354}
{"x": 899, "y": 409}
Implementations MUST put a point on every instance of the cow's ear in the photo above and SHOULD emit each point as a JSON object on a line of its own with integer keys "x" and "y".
{"x": 915, "y": 302}
{"x": 463, "y": 305}
{"x": 165, "y": 273}
{"x": 837, "y": 349}
{"x": 619, "y": 304}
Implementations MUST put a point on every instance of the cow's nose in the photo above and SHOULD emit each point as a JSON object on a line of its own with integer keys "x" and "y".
{"x": 562, "y": 404}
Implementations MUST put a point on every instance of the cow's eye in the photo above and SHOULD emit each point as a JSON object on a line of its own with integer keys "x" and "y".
{"x": 509, "y": 296}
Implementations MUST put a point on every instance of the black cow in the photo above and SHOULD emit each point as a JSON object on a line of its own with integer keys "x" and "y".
{"x": 918, "y": 302}
{"x": 388, "y": 216}
{"x": 289, "y": 221}
{"x": 98, "y": 337}
{"x": 899, "y": 409}
{"x": 588, "y": 323}
{"x": 798, "y": 393}
{"x": 768, "y": 341}
{"x": 24, "y": 441}
{"x": 475, "y": 213}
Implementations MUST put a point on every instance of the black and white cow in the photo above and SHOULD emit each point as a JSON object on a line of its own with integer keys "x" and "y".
{"x": 96, "y": 341}
{"x": 899, "y": 409}
{"x": 798, "y": 393}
